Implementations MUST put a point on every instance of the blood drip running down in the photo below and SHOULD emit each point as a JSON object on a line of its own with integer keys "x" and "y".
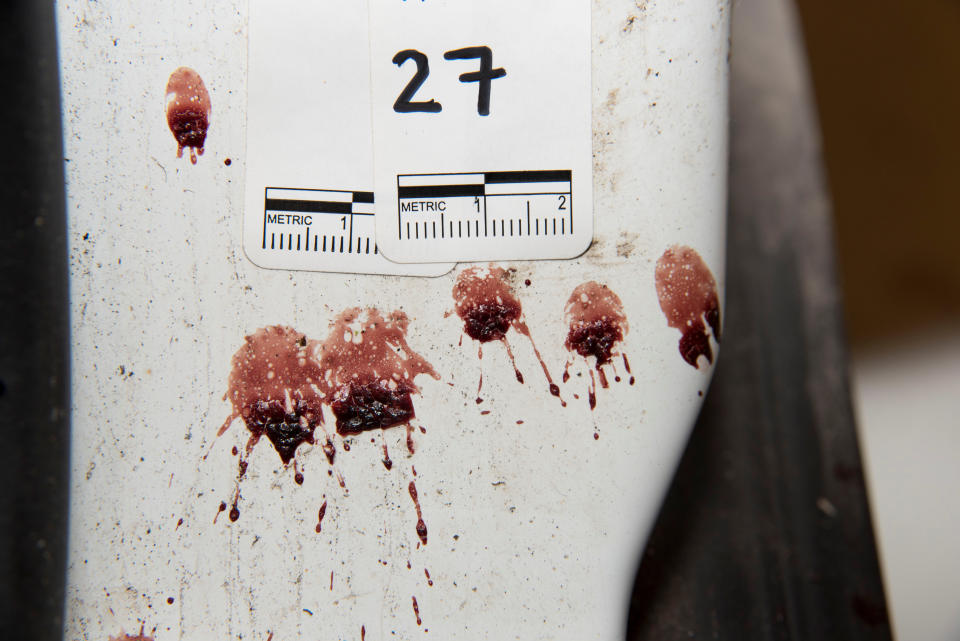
{"x": 597, "y": 324}
{"x": 188, "y": 111}
{"x": 688, "y": 297}
{"x": 486, "y": 303}
{"x": 416, "y": 610}
{"x": 421, "y": 526}
{"x": 272, "y": 387}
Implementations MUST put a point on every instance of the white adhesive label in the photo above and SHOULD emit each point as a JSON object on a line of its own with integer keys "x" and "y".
{"x": 482, "y": 128}
{"x": 309, "y": 200}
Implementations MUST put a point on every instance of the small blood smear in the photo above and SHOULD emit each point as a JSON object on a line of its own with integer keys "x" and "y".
{"x": 188, "y": 111}
{"x": 687, "y": 292}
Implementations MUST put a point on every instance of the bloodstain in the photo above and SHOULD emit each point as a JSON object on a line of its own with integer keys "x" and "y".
{"x": 320, "y": 514}
{"x": 688, "y": 296}
{"x": 179, "y": 523}
{"x": 234, "y": 513}
{"x": 486, "y": 304}
{"x": 421, "y": 526}
{"x": 416, "y": 610}
{"x": 188, "y": 111}
{"x": 132, "y": 637}
{"x": 429, "y": 580}
{"x": 272, "y": 388}
{"x": 363, "y": 632}
{"x": 369, "y": 370}
{"x": 227, "y": 162}
{"x": 298, "y": 478}
{"x": 234, "y": 451}
{"x": 597, "y": 324}
{"x": 331, "y": 580}
{"x": 221, "y": 509}
{"x": 387, "y": 463}
{"x": 170, "y": 600}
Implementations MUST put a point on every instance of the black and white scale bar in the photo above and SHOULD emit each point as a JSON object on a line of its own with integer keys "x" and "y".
{"x": 284, "y": 206}
{"x": 446, "y": 185}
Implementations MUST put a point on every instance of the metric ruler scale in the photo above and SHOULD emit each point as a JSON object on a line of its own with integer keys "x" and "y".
{"x": 485, "y": 205}
{"x": 319, "y": 220}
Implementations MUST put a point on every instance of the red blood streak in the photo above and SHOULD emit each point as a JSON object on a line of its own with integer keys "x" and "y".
{"x": 410, "y": 447}
{"x": 320, "y": 514}
{"x": 188, "y": 111}
{"x": 421, "y": 526}
{"x": 363, "y": 632}
{"x": 416, "y": 610}
{"x": 429, "y": 580}
{"x": 387, "y": 463}
{"x": 688, "y": 296}
{"x": 179, "y": 523}
{"x": 220, "y": 510}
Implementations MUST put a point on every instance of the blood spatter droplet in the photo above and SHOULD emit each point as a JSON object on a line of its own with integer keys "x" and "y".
{"x": 369, "y": 370}
{"x": 597, "y": 324}
{"x": 188, "y": 111}
{"x": 272, "y": 388}
{"x": 486, "y": 303}
{"x": 688, "y": 297}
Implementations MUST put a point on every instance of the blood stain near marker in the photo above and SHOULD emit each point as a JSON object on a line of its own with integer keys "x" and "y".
{"x": 369, "y": 370}
{"x": 688, "y": 296}
{"x": 188, "y": 111}
{"x": 486, "y": 303}
{"x": 597, "y": 324}
{"x": 273, "y": 388}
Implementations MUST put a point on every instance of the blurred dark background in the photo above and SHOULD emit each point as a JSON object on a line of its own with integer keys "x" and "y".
{"x": 886, "y": 76}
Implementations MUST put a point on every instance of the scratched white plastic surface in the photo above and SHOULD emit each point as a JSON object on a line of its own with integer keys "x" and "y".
{"x": 534, "y": 529}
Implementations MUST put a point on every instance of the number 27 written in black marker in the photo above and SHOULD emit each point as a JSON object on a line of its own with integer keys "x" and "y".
{"x": 482, "y": 77}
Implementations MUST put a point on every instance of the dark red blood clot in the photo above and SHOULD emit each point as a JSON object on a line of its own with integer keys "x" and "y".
{"x": 285, "y": 429}
{"x": 687, "y": 292}
{"x": 371, "y": 406}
